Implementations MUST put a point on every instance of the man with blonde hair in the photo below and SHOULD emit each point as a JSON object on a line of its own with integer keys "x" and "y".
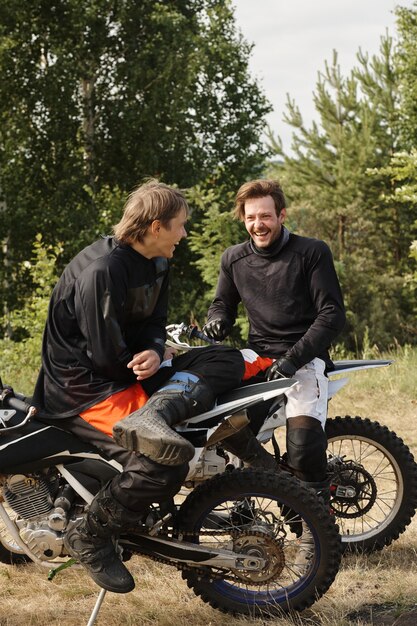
{"x": 101, "y": 361}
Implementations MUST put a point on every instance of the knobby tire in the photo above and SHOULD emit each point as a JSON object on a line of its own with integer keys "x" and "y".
{"x": 285, "y": 592}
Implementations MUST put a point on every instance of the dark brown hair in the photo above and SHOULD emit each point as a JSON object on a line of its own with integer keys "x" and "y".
{"x": 258, "y": 189}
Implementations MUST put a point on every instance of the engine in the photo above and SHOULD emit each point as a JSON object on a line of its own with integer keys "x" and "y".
{"x": 41, "y": 506}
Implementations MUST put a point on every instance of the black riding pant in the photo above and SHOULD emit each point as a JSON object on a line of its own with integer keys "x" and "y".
{"x": 143, "y": 481}
{"x": 221, "y": 368}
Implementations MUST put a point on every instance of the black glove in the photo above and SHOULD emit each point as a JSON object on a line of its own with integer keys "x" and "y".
{"x": 217, "y": 329}
{"x": 281, "y": 368}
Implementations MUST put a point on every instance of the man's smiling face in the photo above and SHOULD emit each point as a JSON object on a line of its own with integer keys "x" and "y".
{"x": 262, "y": 222}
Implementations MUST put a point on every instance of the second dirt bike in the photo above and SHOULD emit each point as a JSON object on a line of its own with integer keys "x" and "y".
{"x": 372, "y": 472}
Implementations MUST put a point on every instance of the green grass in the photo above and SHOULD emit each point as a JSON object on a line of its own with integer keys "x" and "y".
{"x": 368, "y": 590}
{"x": 19, "y": 364}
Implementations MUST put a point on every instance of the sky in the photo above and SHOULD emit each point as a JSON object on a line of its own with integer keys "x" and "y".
{"x": 293, "y": 39}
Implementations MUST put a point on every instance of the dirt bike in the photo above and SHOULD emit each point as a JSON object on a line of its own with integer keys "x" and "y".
{"x": 234, "y": 537}
{"x": 372, "y": 472}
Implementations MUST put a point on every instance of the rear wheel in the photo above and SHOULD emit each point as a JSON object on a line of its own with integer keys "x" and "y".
{"x": 373, "y": 482}
{"x": 242, "y": 511}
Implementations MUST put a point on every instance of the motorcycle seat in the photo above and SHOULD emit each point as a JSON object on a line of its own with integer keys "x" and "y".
{"x": 247, "y": 391}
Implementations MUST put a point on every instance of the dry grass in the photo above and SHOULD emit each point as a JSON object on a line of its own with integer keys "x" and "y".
{"x": 383, "y": 583}
{"x": 377, "y": 589}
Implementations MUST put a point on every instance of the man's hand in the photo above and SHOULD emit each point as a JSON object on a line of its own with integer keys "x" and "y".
{"x": 281, "y": 368}
{"x": 217, "y": 329}
{"x": 169, "y": 353}
{"x": 145, "y": 364}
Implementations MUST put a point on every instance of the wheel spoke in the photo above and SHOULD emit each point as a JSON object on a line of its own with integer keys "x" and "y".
{"x": 261, "y": 525}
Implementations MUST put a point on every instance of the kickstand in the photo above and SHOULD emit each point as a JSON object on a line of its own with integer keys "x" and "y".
{"x": 97, "y": 607}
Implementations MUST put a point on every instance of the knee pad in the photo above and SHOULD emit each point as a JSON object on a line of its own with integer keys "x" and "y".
{"x": 306, "y": 453}
{"x": 148, "y": 430}
{"x": 194, "y": 394}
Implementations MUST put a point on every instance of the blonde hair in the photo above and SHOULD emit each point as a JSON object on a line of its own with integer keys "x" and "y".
{"x": 258, "y": 189}
{"x": 148, "y": 202}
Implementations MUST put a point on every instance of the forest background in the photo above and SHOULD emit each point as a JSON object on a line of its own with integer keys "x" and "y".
{"x": 97, "y": 96}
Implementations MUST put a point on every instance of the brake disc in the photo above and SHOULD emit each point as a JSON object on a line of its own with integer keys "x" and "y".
{"x": 263, "y": 546}
{"x": 354, "y": 491}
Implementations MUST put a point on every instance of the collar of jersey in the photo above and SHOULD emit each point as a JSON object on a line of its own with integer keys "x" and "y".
{"x": 275, "y": 247}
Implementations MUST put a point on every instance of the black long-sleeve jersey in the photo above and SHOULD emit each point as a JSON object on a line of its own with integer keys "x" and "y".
{"x": 109, "y": 304}
{"x": 293, "y": 299}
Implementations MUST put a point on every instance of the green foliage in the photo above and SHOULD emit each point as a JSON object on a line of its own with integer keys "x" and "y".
{"x": 407, "y": 68}
{"x": 341, "y": 187}
{"x": 20, "y": 360}
{"x": 97, "y": 95}
{"x": 404, "y": 165}
{"x": 411, "y": 283}
{"x": 402, "y": 195}
{"x": 110, "y": 204}
{"x": 196, "y": 262}
{"x": 213, "y": 230}
{"x": 31, "y": 319}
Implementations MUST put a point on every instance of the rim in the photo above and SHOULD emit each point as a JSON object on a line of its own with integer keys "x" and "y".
{"x": 258, "y": 525}
{"x": 378, "y": 487}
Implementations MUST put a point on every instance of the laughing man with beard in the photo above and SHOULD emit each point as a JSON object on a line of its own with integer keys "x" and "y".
{"x": 290, "y": 290}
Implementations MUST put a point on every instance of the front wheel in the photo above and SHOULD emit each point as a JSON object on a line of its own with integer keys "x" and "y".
{"x": 373, "y": 482}
{"x": 253, "y": 512}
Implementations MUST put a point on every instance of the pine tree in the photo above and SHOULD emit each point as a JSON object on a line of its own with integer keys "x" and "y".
{"x": 336, "y": 184}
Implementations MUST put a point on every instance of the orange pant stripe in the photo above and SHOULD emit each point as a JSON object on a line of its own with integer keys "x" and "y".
{"x": 105, "y": 414}
{"x": 254, "y": 363}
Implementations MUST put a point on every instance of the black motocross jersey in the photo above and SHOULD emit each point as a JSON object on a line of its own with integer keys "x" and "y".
{"x": 109, "y": 304}
{"x": 292, "y": 298}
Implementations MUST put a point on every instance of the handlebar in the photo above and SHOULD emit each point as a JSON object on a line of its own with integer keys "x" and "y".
{"x": 11, "y": 402}
{"x": 14, "y": 402}
{"x": 175, "y": 331}
{"x": 195, "y": 333}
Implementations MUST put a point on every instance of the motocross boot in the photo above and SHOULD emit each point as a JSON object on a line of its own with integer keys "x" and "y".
{"x": 306, "y": 456}
{"x": 246, "y": 446}
{"x": 149, "y": 431}
{"x": 306, "y": 542}
{"x": 90, "y": 541}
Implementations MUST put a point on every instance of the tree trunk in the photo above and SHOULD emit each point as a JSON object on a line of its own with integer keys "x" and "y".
{"x": 6, "y": 285}
{"x": 341, "y": 235}
{"x": 87, "y": 91}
